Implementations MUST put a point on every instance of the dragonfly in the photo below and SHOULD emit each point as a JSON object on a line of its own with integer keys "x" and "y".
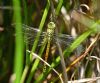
{"x": 46, "y": 37}
{"x": 30, "y": 34}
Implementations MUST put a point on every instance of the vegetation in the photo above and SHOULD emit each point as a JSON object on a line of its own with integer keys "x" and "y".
{"x": 74, "y": 51}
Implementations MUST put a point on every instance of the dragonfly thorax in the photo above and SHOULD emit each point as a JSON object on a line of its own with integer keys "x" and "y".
{"x": 50, "y": 30}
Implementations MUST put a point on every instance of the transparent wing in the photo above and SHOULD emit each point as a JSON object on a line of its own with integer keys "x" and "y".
{"x": 63, "y": 39}
{"x": 30, "y": 34}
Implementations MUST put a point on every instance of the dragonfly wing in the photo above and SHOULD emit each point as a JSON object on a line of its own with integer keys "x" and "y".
{"x": 63, "y": 39}
{"x": 30, "y": 39}
{"x": 30, "y": 34}
{"x": 30, "y": 31}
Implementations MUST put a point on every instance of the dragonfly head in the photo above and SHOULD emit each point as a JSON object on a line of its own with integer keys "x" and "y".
{"x": 51, "y": 25}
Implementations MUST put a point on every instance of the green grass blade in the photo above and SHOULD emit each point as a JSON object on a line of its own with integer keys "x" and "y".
{"x": 59, "y": 7}
{"x": 18, "y": 60}
{"x": 34, "y": 66}
{"x": 40, "y": 27}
